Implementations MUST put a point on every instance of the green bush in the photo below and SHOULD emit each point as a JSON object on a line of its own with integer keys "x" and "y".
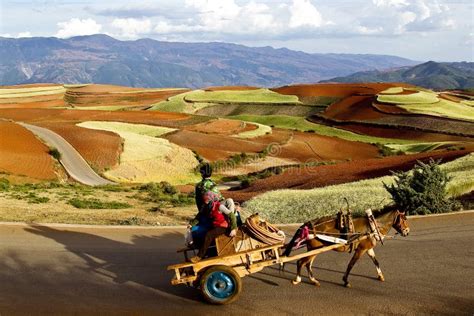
{"x": 55, "y": 153}
{"x": 97, "y": 204}
{"x": 166, "y": 194}
{"x": 423, "y": 190}
{"x": 4, "y": 184}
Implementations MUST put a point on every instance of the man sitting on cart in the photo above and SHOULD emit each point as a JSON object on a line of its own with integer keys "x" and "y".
{"x": 222, "y": 218}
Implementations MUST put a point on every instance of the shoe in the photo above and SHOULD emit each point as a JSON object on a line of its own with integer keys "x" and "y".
{"x": 195, "y": 259}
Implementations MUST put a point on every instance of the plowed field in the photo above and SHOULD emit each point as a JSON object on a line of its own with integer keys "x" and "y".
{"x": 101, "y": 149}
{"x": 21, "y": 153}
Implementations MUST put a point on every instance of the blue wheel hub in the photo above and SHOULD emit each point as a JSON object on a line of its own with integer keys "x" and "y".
{"x": 220, "y": 285}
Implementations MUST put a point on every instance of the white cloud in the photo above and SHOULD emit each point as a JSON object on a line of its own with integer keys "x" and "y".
{"x": 396, "y": 17}
{"x": 19, "y": 35}
{"x": 217, "y": 19}
{"x": 75, "y": 27}
{"x": 303, "y": 13}
{"x": 131, "y": 27}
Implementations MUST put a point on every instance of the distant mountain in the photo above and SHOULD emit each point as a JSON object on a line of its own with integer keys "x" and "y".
{"x": 431, "y": 75}
{"x": 150, "y": 63}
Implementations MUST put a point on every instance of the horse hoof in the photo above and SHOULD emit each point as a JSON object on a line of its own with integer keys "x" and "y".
{"x": 348, "y": 285}
{"x": 294, "y": 282}
{"x": 315, "y": 282}
{"x": 381, "y": 278}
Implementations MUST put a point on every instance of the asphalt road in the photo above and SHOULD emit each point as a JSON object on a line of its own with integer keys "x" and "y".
{"x": 72, "y": 161}
{"x": 62, "y": 270}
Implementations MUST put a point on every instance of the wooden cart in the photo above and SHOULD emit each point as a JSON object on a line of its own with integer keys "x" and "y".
{"x": 219, "y": 278}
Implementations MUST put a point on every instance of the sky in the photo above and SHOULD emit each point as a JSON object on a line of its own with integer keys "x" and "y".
{"x": 440, "y": 30}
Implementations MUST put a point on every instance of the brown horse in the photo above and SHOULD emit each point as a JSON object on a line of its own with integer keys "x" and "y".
{"x": 327, "y": 225}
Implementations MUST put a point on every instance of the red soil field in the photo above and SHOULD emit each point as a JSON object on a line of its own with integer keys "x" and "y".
{"x": 222, "y": 127}
{"x": 314, "y": 177}
{"x": 21, "y": 153}
{"x": 353, "y": 108}
{"x": 335, "y": 89}
{"x": 389, "y": 108}
{"x": 101, "y": 149}
{"x": 308, "y": 147}
{"x": 34, "y": 104}
{"x": 390, "y": 132}
{"x": 231, "y": 88}
{"x": 64, "y": 115}
{"x": 102, "y": 95}
{"x": 217, "y": 147}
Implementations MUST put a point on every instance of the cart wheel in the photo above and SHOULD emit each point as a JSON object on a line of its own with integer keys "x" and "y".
{"x": 220, "y": 285}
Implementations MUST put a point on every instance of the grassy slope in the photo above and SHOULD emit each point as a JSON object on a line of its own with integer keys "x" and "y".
{"x": 299, "y": 123}
{"x": 442, "y": 108}
{"x": 293, "y": 206}
{"x": 422, "y": 147}
{"x": 246, "y": 96}
{"x": 421, "y": 97}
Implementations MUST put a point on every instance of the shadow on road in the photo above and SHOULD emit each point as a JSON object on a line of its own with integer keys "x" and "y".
{"x": 143, "y": 261}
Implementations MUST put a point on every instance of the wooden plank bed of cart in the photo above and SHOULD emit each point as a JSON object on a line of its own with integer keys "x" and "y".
{"x": 219, "y": 277}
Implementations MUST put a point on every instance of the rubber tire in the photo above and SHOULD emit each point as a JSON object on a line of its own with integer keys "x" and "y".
{"x": 229, "y": 272}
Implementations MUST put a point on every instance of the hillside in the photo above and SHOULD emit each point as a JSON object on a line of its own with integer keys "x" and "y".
{"x": 151, "y": 63}
{"x": 432, "y": 75}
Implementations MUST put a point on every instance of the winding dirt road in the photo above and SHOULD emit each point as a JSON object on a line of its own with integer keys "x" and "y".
{"x": 60, "y": 270}
{"x": 72, "y": 161}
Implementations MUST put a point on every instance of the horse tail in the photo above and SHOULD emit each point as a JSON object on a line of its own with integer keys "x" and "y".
{"x": 292, "y": 242}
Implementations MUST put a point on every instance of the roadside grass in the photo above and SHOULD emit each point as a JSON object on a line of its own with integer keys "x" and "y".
{"x": 420, "y": 97}
{"x": 146, "y": 157}
{"x": 296, "y": 206}
{"x": 442, "y": 108}
{"x": 301, "y": 124}
{"x": 53, "y": 202}
{"x": 94, "y": 203}
{"x": 260, "y": 131}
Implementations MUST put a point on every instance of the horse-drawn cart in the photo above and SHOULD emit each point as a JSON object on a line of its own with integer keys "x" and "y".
{"x": 219, "y": 277}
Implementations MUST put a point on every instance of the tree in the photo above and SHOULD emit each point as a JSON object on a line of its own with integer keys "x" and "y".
{"x": 422, "y": 190}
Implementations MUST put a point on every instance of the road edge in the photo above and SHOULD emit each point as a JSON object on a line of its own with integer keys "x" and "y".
{"x": 61, "y": 225}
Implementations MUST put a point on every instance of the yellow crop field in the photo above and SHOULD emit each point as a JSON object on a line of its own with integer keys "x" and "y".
{"x": 146, "y": 157}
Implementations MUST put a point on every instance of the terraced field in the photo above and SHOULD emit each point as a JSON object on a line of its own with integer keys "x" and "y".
{"x": 321, "y": 134}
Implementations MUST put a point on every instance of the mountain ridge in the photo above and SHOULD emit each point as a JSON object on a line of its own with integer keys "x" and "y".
{"x": 151, "y": 63}
{"x": 431, "y": 75}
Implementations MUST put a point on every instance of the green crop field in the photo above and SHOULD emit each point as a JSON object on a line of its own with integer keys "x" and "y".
{"x": 423, "y": 147}
{"x": 296, "y": 206}
{"x": 468, "y": 102}
{"x": 301, "y": 124}
{"x": 442, "y": 108}
{"x": 247, "y": 96}
{"x": 31, "y": 92}
{"x": 393, "y": 90}
{"x": 421, "y": 97}
{"x": 146, "y": 157}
